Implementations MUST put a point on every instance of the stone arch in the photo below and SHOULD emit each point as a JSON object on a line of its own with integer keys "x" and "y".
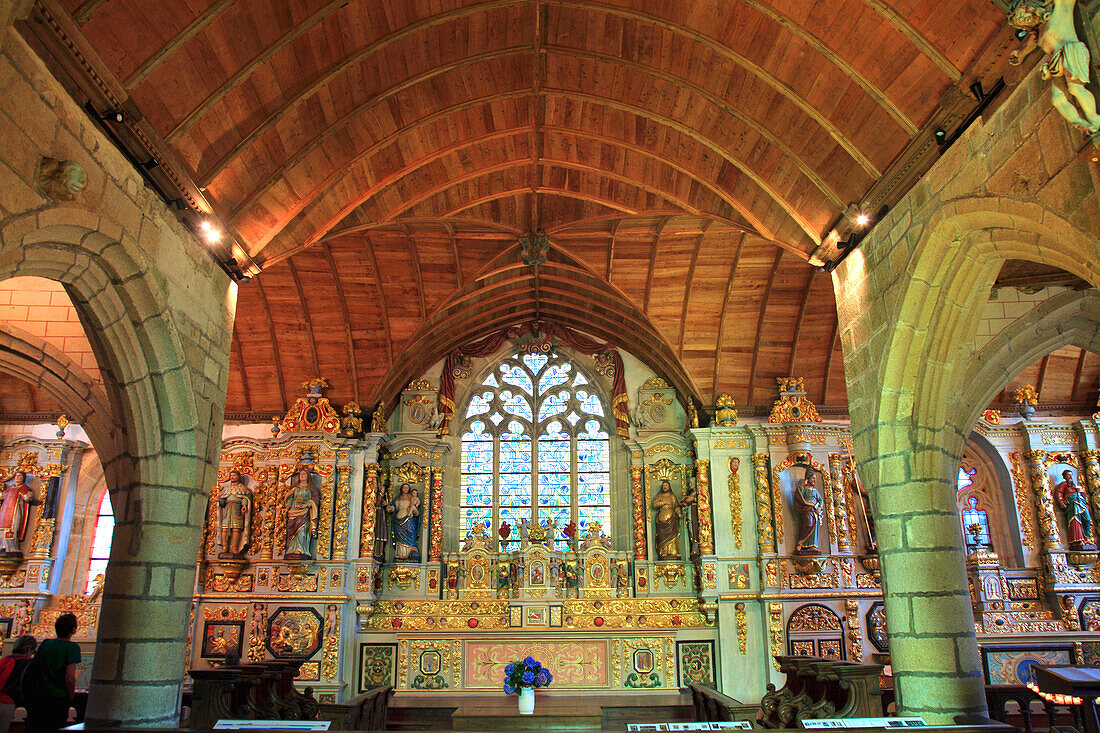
{"x": 165, "y": 410}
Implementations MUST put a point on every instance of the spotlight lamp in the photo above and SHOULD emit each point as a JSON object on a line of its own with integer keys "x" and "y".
{"x": 114, "y": 116}
{"x": 862, "y": 219}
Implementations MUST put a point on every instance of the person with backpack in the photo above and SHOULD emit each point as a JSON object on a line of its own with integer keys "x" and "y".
{"x": 49, "y": 684}
{"x": 11, "y": 677}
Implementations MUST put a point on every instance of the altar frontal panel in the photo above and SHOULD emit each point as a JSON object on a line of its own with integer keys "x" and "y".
{"x": 576, "y": 665}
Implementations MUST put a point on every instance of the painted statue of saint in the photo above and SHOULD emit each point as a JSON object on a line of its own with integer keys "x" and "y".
{"x": 1075, "y": 509}
{"x": 302, "y": 504}
{"x": 668, "y": 523}
{"x": 14, "y": 512}
{"x": 406, "y": 524}
{"x": 808, "y": 503}
{"x": 234, "y": 516}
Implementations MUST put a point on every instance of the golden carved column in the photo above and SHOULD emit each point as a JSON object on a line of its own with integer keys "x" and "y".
{"x": 1091, "y": 460}
{"x": 764, "y": 531}
{"x": 735, "y": 500}
{"x": 840, "y": 502}
{"x": 435, "y": 530}
{"x": 1044, "y": 502}
{"x": 637, "y": 491}
{"x": 370, "y": 498}
{"x": 702, "y": 488}
{"x": 343, "y": 498}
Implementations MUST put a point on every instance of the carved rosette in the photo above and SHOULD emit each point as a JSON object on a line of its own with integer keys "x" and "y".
{"x": 435, "y": 530}
{"x": 637, "y": 491}
{"x": 1044, "y": 502}
{"x": 343, "y": 498}
{"x": 840, "y": 504}
{"x": 370, "y": 498}
{"x": 735, "y": 500}
{"x": 702, "y": 488}
{"x": 765, "y": 533}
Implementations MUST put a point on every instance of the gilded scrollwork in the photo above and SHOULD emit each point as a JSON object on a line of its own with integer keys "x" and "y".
{"x": 702, "y": 491}
{"x": 1091, "y": 462}
{"x": 842, "y": 526}
{"x": 1040, "y": 481}
{"x": 343, "y": 497}
{"x": 637, "y": 495}
{"x": 435, "y": 529}
{"x": 370, "y": 499}
{"x": 1023, "y": 501}
{"x": 672, "y": 573}
{"x": 855, "y": 635}
{"x": 404, "y": 577}
{"x": 764, "y": 530}
{"x": 742, "y": 626}
{"x": 775, "y": 630}
{"x": 734, "y": 482}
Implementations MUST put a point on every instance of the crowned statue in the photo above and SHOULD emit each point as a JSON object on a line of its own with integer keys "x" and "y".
{"x": 406, "y": 524}
{"x": 14, "y": 513}
{"x": 302, "y": 504}
{"x": 808, "y": 503}
{"x": 1071, "y": 498}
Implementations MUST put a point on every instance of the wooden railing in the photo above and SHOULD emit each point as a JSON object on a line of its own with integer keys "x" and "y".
{"x": 711, "y": 706}
{"x": 261, "y": 691}
{"x": 999, "y": 698}
{"x": 369, "y": 711}
{"x": 821, "y": 688}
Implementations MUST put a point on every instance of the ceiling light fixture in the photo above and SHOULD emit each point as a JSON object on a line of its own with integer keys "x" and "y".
{"x": 862, "y": 219}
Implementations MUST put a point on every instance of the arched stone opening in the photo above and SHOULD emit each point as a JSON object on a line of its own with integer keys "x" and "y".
{"x": 156, "y": 424}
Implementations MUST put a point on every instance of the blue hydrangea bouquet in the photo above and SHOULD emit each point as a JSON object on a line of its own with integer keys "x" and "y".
{"x": 527, "y": 673}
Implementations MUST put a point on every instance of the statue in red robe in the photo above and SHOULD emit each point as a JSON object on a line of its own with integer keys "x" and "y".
{"x": 14, "y": 513}
{"x": 1075, "y": 508}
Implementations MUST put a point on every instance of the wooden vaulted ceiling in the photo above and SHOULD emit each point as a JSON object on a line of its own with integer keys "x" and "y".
{"x": 378, "y": 159}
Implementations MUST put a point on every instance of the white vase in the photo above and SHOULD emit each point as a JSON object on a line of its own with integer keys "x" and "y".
{"x": 526, "y": 700}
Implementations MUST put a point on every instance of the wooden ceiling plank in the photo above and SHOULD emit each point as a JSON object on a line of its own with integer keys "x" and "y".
{"x": 719, "y": 103}
{"x": 282, "y": 386}
{"x": 381, "y": 295}
{"x": 1042, "y": 375}
{"x": 719, "y": 338}
{"x": 541, "y": 189}
{"x": 1077, "y": 375}
{"x": 238, "y": 352}
{"x": 798, "y": 323}
{"x": 611, "y": 248}
{"x": 333, "y": 180}
{"x": 652, "y": 262}
{"x": 827, "y": 372}
{"x": 212, "y": 12}
{"x": 85, "y": 12}
{"x": 454, "y": 250}
{"x": 760, "y": 325}
{"x": 341, "y": 298}
{"x": 416, "y": 268}
{"x": 305, "y": 313}
{"x": 538, "y": 116}
{"x": 273, "y": 119}
{"x": 840, "y": 62}
{"x": 915, "y": 37}
{"x": 771, "y": 80}
{"x": 687, "y": 287}
{"x": 250, "y": 67}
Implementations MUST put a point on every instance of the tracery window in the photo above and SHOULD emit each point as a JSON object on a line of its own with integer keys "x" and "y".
{"x": 101, "y": 542}
{"x": 535, "y": 447}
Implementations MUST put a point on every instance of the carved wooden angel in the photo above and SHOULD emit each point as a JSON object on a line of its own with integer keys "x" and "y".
{"x": 1049, "y": 25}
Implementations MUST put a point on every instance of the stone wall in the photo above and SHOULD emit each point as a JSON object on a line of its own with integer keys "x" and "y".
{"x": 910, "y": 301}
{"x": 158, "y": 313}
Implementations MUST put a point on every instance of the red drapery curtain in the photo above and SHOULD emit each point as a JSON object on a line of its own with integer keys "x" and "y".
{"x": 484, "y": 347}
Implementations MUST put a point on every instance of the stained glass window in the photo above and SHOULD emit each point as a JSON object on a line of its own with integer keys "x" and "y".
{"x": 535, "y": 448}
{"x": 101, "y": 542}
{"x": 972, "y": 518}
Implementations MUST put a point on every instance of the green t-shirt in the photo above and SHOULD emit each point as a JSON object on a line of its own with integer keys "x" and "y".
{"x": 53, "y": 656}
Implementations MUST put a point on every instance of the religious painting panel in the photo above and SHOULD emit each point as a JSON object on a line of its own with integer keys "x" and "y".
{"x": 294, "y": 633}
{"x": 1014, "y": 665}
{"x": 515, "y": 616}
{"x": 876, "y": 626}
{"x": 556, "y": 616}
{"x": 221, "y": 639}
{"x": 377, "y": 665}
{"x": 575, "y": 665}
{"x": 5, "y": 628}
{"x": 1090, "y": 614}
{"x": 695, "y": 663}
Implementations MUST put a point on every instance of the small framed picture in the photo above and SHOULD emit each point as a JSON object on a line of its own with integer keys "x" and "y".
{"x": 222, "y": 638}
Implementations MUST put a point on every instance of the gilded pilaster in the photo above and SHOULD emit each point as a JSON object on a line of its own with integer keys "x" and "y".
{"x": 1091, "y": 460}
{"x": 324, "y": 542}
{"x": 343, "y": 498}
{"x": 840, "y": 504}
{"x": 1023, "y": 503}
{"x": 735, "y": 501}
{"x": 1044, "y": 502}
{"x": 777, "y": 510}
{"x": 855, "y": 636}
{"x": 637, "y": 492}
{"x": 764, "y": 531}
{"x": 742, "y": 626}
{"x": 775, "y": 630}
{"x": 370, "y": 498}
{"x": 435, "y": 531}
{"x": 702, "y": 489}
